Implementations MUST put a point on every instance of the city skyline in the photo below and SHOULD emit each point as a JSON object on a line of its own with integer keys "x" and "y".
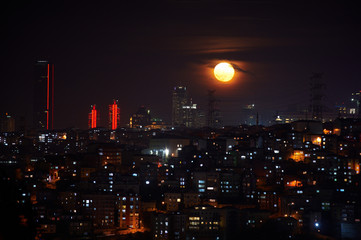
{"x": 180, "y": 119}
{"x": 137, "y": 53}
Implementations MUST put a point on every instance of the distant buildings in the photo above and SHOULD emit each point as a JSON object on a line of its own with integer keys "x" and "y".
{"x": 184, "y": 112}
{"x": 43, "y": 104}
{"x": 179, "y": 99}
{"x": 355, "y": 101}
{"x": 213, "y": 115}
{"x": 351, "y": 107}
{"x": 296, "y": 179}
{"x": 7, "y": 123}
{"x": 317, "y": 95}
{"x": 249, "y": 115}
{"x": 140, "y": 119}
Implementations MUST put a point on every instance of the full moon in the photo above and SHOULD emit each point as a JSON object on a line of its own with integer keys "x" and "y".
{"x": 224, "y": 72}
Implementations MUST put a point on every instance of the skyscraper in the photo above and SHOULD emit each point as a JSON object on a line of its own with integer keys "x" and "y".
{"x": 141, "y": 118}
{"x": 316, "y": 92}
{"x": 43, "y": 104}
{"x": 93, "y": 117}
{"x": 7, "y": 123}
{"x": 213, "y": 117}
{"x": 114, "y": 116}
{"x": 355, "y": 108}
{"x": 249, "y": 115}
{"x": 179, "y": 99}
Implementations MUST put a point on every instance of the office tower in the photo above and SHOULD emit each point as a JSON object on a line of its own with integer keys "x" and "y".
{"x": 140, "y": 119}
{"x": 249, "y": 115}
{"x": 114, "y": 116}
{"x": 93, "y": 117}
{"x": 7, "y": 123}
{"x": 190, "y": 114}
{"x": 214, "y": 115}
{"x": 350, "y": 108}
{"x": 43, "y": 104}
{"x": 316, "y": 89}
{"x": 355, "y": 108}
{"x": 179, "y": 99}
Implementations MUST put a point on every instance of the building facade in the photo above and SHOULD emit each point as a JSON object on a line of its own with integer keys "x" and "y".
{"x": 93, "y": 117}
{"x": 140, "y": 119}
{"x": 114, "y": 116}
{"x": 179, "y": 99}
{"x": 185, "y": 113}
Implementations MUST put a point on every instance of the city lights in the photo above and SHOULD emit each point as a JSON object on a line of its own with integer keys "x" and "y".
{"x": 182, "y": 120}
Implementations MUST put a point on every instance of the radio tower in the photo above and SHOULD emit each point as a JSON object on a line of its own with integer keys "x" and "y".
{"x": 316, "y": 96}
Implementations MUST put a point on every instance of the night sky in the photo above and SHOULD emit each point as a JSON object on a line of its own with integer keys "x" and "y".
{"x": 137, "y": 52}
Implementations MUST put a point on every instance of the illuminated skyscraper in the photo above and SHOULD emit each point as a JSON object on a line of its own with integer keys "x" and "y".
{"x": 213, "y": 117}
{"x": 114, "y": 116}
{"x": 355, "y": 108}
{"x": 179, "y": 99}
{"x": 43, "y": 104}
{"x": 93, "y": 117}
{"x": 185, "y": 113}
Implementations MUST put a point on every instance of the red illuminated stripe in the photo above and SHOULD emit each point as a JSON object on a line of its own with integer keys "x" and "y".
{"x": 52, "y": 98}
{"x": 47, "y": 100}
{"x": 94, "y": 118}
{"x": 114, "y": 114}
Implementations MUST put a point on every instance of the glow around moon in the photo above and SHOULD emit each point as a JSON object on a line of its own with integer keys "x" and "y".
{"x": 224, "y": 72}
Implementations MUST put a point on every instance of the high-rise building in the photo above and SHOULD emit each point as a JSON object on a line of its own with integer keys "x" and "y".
{"x": 140, "y": 119}
{"x": 93, "y": 117}
{"x": 316, "y": 92}
{"x": 114, "y": 116}
{"x": 249, "y": 114}
{"x": 185, "y": 113}
{"x": 7, "y": 123}
{"x": 179, "y": 99}
{"x": 350, "y": 108}
{"x": 43, "y": 104}
{"x": 355, "y": 108}
{"x": 214, "y": 115}
{"x": 189, "y": 115}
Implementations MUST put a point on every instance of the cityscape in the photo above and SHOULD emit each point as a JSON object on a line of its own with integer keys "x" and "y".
{"x": 182, "y": 127}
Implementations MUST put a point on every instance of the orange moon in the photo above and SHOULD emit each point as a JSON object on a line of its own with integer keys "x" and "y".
{"x": 224, "y": 72}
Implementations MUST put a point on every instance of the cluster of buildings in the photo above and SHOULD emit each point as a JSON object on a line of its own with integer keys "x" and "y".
{"x": 350, "y": 108}
{"x": 300, "y": 178}
{"x": 185, "y": 113}
{"x": 192, "y": 180}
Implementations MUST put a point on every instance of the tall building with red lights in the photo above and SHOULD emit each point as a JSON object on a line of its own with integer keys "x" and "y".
{"x": 93, "y": 117}
{"x": 114, "y": 116}
{"x": 43, "y": 104}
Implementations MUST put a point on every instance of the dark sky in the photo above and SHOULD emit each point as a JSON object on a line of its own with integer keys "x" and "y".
{"x": 137, "y": 52}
